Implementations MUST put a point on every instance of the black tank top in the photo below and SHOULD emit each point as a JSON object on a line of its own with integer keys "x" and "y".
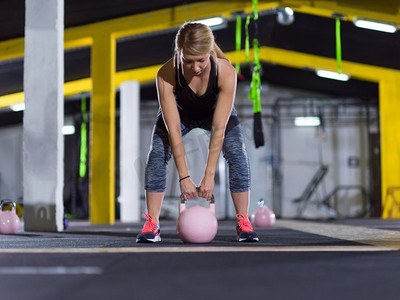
{"x": 194, "y": 110}
{"x": 191, "y": 105}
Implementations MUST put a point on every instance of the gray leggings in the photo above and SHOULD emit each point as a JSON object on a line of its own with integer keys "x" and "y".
{"x": 233, "y": 150}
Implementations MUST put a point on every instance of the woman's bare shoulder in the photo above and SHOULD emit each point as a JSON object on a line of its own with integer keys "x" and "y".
{"x": 225, "y": 70}
{"x": 167, "y": 70}
{"x": 166, "y": 77}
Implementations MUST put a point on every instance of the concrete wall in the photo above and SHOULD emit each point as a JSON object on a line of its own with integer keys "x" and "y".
{"x": 301, "y": 159}
{"x": 11, "y": 162}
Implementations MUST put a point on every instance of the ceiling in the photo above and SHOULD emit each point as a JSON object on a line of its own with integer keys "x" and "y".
{"x": 309, "y": 33}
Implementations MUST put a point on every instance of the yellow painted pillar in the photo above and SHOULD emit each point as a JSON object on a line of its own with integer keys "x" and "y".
{"x": 102, "y": 124}
{"x": 389, "y": 107}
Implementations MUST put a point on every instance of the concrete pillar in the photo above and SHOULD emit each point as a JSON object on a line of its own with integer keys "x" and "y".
{"x": 43, "y": 142}
{"x": 129, "y": 151}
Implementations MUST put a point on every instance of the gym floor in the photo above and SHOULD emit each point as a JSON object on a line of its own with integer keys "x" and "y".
{"x": 295, "y": 259}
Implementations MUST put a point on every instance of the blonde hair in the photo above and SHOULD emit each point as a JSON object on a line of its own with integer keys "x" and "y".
{"x": 196, "y": 39}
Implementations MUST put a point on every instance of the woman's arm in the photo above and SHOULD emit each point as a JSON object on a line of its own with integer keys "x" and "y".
{"x": 166, "y": 98}
{"x": 227, "y": 84}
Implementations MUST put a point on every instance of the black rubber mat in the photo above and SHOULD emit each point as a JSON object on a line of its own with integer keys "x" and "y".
{"x": 122, "y": 235}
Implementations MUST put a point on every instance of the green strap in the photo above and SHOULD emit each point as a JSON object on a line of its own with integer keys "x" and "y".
{"x": 238, "y": 42}
{"x": 247, "y": 40}
{"x": 255, "y": 9}
{"x": 255, "y": 86}
{"x": 255, "y": 91}
{"x": 338, "y": 47}
{"x": 256, "y": 48}
{"x": 83, "y": 150}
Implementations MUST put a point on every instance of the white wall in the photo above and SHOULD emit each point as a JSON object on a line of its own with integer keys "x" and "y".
{"x": 11, "y": 162}
{"x": 261, "y": 158}
{"x": 300, "y": 161}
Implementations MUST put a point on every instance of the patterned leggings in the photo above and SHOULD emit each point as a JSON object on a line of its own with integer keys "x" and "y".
{"x": 233, "y": 150}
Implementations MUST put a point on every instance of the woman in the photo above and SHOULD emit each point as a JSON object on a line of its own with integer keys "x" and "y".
{"x": 196, "y": 89}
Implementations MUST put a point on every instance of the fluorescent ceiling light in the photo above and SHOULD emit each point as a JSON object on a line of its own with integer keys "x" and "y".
{"x": 68, "y": 130}
{"x": 211, "y": 22}
{"x": 333, "y": 75}
{"x": 385, "y": 27}
{"x": 18, "y": 106}
{"x": 289, "y": 11}
{"x": 306, "y": 121}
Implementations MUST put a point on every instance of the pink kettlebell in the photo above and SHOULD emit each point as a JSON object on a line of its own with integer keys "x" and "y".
{"x": 197, "y": 224}
{"x": 9, "y": 221}
{"x": 263, "y": 216}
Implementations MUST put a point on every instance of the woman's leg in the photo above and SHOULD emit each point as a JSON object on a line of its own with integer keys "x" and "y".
{"x": 155, "y": 183}
{"x": 156, "y": 171}
{"x": 154, "y": 202}
{"x": 156, "y": 168}
{"x": 241, "y": 201}
{"x": 239, "y": 182}
{"x": 239, "y": 170}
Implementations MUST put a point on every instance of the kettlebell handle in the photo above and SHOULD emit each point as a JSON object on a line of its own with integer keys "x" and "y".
{"x": 6, "y": 201}
{"x": 212, "y": 200}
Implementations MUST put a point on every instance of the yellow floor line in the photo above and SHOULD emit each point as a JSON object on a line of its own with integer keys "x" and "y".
{"x": 194, "y": 249}
{"x": 375, "y": 237}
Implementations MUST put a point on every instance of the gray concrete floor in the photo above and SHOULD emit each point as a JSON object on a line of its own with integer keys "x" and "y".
{"x": 346, "y": 259}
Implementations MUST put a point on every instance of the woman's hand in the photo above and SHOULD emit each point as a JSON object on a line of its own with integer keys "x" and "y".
{"x": 188, "y": 188}
{"x": 206, "y": 188}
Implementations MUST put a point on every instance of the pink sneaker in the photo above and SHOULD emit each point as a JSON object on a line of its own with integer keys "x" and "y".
{"x": 245, "y": 232}
{"x": 150, "y": 232}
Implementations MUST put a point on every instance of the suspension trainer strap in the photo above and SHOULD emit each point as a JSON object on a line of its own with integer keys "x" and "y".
{"x": 83, "y": 150}
{"x": 238, "y": 42}
{"x": 247, "y": 40}
{"x": 338, "y": 46}
{"x": 255, "y": 86}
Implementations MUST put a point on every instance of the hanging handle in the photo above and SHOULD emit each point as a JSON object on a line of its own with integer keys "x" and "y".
{"x": 8, "y": 202}
{"x": 212, "y": 200}
{"x": 182, "y": 203}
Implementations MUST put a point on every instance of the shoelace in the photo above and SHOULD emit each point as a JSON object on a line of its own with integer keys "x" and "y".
{"x": 150, "y": 225}
{"x": 244, "y": 223}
